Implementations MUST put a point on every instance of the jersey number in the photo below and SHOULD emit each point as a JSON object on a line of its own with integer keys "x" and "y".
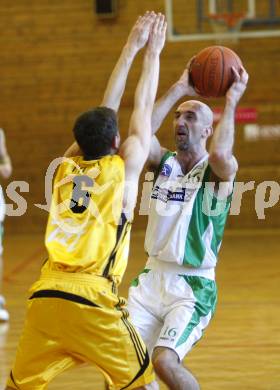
{"x": 80, "y": 194}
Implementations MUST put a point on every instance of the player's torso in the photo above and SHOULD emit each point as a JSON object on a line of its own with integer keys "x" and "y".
{"x": 180, "y": 229}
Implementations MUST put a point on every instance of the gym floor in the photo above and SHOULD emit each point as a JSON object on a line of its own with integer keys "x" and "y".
{"x": 240, "y": 349}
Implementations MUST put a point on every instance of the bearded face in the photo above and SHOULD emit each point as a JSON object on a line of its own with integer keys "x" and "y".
{"x": 191, "y": 121}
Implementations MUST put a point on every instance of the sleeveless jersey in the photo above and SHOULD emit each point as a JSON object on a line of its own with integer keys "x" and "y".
{"x": 186, "y": 219}
{"x": 86, "y": 231}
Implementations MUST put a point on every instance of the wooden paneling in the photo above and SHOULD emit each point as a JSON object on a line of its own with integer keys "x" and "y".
{"x": 56, "y": 57}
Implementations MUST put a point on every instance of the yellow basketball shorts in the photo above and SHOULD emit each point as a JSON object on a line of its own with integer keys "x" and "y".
{"x": 73, "y": 319}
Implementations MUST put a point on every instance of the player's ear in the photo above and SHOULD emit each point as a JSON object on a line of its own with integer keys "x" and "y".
{"x": 208, "y": 131}
{"x": 116, "y": 141}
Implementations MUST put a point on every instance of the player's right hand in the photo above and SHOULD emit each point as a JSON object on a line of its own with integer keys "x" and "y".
{"x": 139, "y": 33}
{"x": 184, "y": 81}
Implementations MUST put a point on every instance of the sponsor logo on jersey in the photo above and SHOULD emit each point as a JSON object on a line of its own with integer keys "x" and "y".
{"x": 165, "y": 195}
{"x": 166, "y": 170}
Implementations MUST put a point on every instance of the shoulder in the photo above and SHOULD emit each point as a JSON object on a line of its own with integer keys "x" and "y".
{"x": 165, "y": 166}
{"x": 113, "y": 166}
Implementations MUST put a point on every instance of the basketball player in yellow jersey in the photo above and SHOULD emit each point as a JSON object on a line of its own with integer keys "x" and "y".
{"x": 74, "y": 313}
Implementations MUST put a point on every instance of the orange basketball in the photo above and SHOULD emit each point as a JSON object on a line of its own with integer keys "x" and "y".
{"x": 210, "y": 70}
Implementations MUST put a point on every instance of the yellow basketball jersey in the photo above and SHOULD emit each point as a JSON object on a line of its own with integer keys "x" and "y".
{"x": 87, "y": 231}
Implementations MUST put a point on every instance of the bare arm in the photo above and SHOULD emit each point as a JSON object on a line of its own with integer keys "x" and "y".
{"x": 221, "y": 159}
{"x": 136, "y": 40}
{"x": 5, "y": 161}
{"x": 136, "y": 147}
{"x": 115, "y": 87}
{"x": 163, "y": 105}
{"x": 73, "y": 150}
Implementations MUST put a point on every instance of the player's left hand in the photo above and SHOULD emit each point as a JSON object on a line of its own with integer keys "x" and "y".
{"x": 157, "y": 34}
{"x": 238, "y": 87}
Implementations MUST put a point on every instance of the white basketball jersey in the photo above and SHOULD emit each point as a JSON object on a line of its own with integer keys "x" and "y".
{"x": 186, "y": 219}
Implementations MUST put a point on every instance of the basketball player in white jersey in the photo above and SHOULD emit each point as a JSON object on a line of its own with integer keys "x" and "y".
{"x": 5, "y": 172}
{"x": 172, "y": 301}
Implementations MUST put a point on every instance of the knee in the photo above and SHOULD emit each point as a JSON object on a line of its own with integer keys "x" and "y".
{"x": 164, "y": 359}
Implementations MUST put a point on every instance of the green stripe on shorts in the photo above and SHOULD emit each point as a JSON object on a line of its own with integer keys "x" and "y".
{"x": 205, "y": 292}
{"x": 135, "y": 281}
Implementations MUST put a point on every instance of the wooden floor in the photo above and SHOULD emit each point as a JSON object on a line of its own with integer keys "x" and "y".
{"x": 241, "y": 347}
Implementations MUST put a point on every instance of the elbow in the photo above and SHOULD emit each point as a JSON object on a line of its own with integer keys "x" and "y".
{"x": 220, "y": 157}
{"x": 145, "y": 107}
{"x": 224, "y": 164}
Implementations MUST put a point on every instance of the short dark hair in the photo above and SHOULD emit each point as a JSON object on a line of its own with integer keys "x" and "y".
{"x": 94, "y": 131}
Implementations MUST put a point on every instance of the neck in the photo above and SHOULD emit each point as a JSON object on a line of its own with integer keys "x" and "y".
{"x": 189, "y": 158}
{"x": 99, "y": 156}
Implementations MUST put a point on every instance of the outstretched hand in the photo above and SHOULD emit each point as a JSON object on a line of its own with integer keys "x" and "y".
{"x": 157, "y": 34}
{"x": 139, "y": 33}
{"x": 239, "y": 85}
{"x": 184, "y": 81}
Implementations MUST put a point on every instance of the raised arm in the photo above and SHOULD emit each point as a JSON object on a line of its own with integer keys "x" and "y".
{"x": 221, "y": 159}
{"x": 5, "y": 161}
{"x": 163, "y": 105}
{"x": 136, "y": 147}
{"x": 136, "y": 40}
{"x": 116, "y": 84}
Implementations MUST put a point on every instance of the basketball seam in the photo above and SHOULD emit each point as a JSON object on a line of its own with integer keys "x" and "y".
{"x": 203, "y": 74}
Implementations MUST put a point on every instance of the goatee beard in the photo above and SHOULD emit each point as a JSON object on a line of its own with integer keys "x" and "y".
{"x": 182, "y": 147}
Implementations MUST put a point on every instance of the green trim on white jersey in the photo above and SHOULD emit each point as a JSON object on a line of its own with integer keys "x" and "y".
{"x": 205, "y": 229}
